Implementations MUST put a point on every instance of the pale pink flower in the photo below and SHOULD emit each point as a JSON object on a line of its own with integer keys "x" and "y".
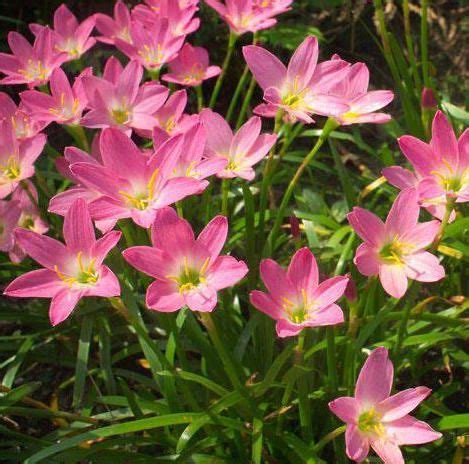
{"x": 64, "y": 105}
{"x": 30, "y": 64}
{"x": 117, "y": 27}
{"x": 189, "y": 271}
{"x": 131, "y": 184}
{"x": 395, "y": 250}
{"x": 295, "y": 298}
{"x": 377, "y": 419}
{"x": 303, "y": 88}
{"x": 69, "y": 36}
{"x": 242, "y": 150}
{"x": 9, "y": 215}
{"x": 245, "y": 15}
{"x": 191, "y": 67}
{"x": 122, "y": 102}
{"x": 16, "y": 158}
{"x": 151, "y": 48}
{"x": 441, "y": 168}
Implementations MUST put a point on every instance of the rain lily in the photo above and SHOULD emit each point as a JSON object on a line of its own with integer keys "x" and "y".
{"x": 123, "y": 102}
{"x": 131, "y": 184}
{"x": 353, "y": 90}
{"x": 300, "y": 89}
{"x": 376, "y": 419}
{"x": 9, "y": 215}
{"x": 189, "y": 271}
{"x": 295, "y": 298}
{"x": 69, "y": 36}
{"x": 30, "y": 64}
{"x": 16, "y": 158}
{"x": 428, "y": 99}
{"x": 276, "y": 6}
{"x": 245, "y": 15}
{"x": 242, "y": 150}
{"x": 66, "y": 103}
{"x": 191, "y": 67}
{"x": 72, "y": 271}
{"x": 114, "y": 28}
{"x": 395, "y": 250}
{"x": 441, "y": 168}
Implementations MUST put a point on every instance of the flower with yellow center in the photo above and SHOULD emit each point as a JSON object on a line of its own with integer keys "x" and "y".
{"x": 86, "y": 274}
{"x": 142, "y": 201}
{"x": 10, "y": 171}
{"x": 190, "y": 278}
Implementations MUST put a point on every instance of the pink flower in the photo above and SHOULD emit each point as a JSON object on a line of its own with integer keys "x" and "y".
{"x": 301, "y": 89}
{"x": 295, "y": 298}
{"x": 428, "y": 99}
{"x": 151, "y": 48}
{"x": 376, "y": 419}
{"x": 191, "y": 67}
{"x": 395, "y": 250}
{"x": 245, "y": 15}
{"x": 16, "y": 158}
{"x": 9, "y": 215}
{"x": 353, "y": 90}
{"x": 242, "y": 150}
{"x": 69, "y": 36}
{"x": 72, "y": 271}
{"x": 66, "y": 103}
{"x": 122, "y": 102}
{"x": 188, "y": 271}
{"x": 28, "y": 64}
{"x": 131, "y": 184}
{"x": 117, "y": 27}
{"x": 441, "y": 167}
{"x": 276, "y": 6}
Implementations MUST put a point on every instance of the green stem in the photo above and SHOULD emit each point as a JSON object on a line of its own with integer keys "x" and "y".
{"x": 154, "y": 74}
{"x": 330, "y": 125}
{"x": 246, "y": 102}
{"x": 402, "y": 331}
{"x": 444, "y": 222}
{"x": 225, "y": 190}
{"x": 180, "y": 209}
{"x": 425, "y": 63}
{"x": 410, "y": 45}
{"x": 331, "y": 360}
{"x": 329, "y": 437}
{"x": 226, "y": 62}
{"x": 200, "y": 98}
{"x": 79, "y": 135}
{"x": 303, "y": 400}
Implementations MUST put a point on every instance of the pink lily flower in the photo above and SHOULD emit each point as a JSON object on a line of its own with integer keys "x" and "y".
{"x": 395, "y": 250}
{"x": 115, "y": 28}
{"x": 301, "y": 89}
{"x": 24, "y": 123}
{"x": 31, "y": 65}
{"x": 189, "y": 271}
{"x": 295, "y": 298}
{"x": 277, "y": 6}
{"x": 131, "y": 184}
{"x": 441, "y": 168}
{"x": 151, "y": 48}
{"x": 353, "y": 89}
{"x": 245, "y": 15}
{"x": 242, "y": 150}
{"x": 16, "y": 158}
{"x": 69, "y": 36}
{"x": 191, "y": 67}
{"x": 380, "y": 420}
{"x": 72, "y": 271}
{"x": 9, "y": 215}
{"x": 122, "y": 103}
{"x": 180, "y": 17}
{"x": 66, "y": 103}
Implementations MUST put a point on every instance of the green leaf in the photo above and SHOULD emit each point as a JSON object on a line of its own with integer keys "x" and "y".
{"x": 458, "y": 421}
{"x": 82, "y": 359}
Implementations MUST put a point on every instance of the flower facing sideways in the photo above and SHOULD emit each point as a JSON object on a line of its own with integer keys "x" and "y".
{"x": 189, "y": 271}
{"x": 395, "y": 250}
{"x": 117, "y": 27}
{"x": 376, "y": 419}
{"x": 295, "y": 298}
{"x": 71, "y": 271}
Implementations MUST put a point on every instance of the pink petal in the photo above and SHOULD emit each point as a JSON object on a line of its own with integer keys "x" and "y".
{"x": 367, "y": 260}
{"x": 424, "y": 267}
{"x": 346, "y": 408}
{"x": 98, "y": 178}
{"x": 303, "y": 271}
{"x": 107, "y": 285}
{"x": 404, "y": 213}
{"x": 372, "y": 101}
{"x": 400, "y": 404}
{"x": 367, "y": 225}
{"x": 225, "y": 272}
{"x": 266, "y": 68}
{"x": 60, "y": 203}
{"x": 164, "y": 297}
{"x": 104, "y": 245}
{"x": 328, "y": 315}
{"x": 444, "y": 141}
{"x": 463, "y": 145}
{"x": 357, "y": 445}
{"x": 303, "y": 62}
{"x": 330, "y": 291}
{"x": 219, "y": 133}
{"x": 388, "y": 451}
{"x": 63, "y": 304}
{"x": 246, "y": 136}
{"x": 41, "y": 283}
{"x": 286, "y": 328}
{"x": 149, "y": 260}
{"x": 213, "y": 237}
{"x": 400, "y": 177}
{"x": 393, "y": 278}
{"x": 419, "y": 154}
{"x": 129, "y": 81}
{"x": 78, "y": 228}
{"x": 171, "y": 233}
{"x": 265, "y": 303}
{"x": 203, "y": 298}
{"x": 177, "y": 189}
{"x": 410, "y": 431}
{"x": 422, "y": 234}
{"x": 276, "y": 280}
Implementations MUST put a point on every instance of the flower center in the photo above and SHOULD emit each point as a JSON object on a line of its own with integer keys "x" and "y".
{"x": 142, "y": 200}
{"x": 196, "y": 73}
{"x": 393, "y": 252}
{"x": 370, "y": 422}
{"x": 449, "y": 179}
{"x": 27, "y": 222}
{"x": 350, "y": 115}
{"x": 35, "y": 71}
{"x": 86, "y": 275}
{"x": 190, "y": 278}
{"x": 153, "y": 58}
{"x": 11, "y": 170}
{"x": 297, "y": 313}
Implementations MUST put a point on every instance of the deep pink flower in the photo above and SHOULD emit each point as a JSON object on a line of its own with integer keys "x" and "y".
{"x": 428, "y": 99}
{"x": 9, "y": 215}
{"x": 295, "y": 298}
{"x": 191, "y": 67}
{"x": 72, "y": 271}
{"x": 242, "y": 150}
{"x": 114, "y": 28}
{"x": 131, "y": 184}
{"x": 301, "y": 89}
{"x": 441, "y": 168}
{"x": 16, "y": 158}
{"x": 376, "y": 419}
{"x": 69, "y": 36}
{"x": 188, "y": 271}
{"x": 64, "y": 105}
{"x": 395, "y": 250}
{"x": 28, "y": 64}
{"x": 245, "y": 15}
{"x": 122, "y": 102}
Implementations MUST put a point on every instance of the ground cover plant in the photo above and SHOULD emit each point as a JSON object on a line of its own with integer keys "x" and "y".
{"x": 249, "y": 249}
